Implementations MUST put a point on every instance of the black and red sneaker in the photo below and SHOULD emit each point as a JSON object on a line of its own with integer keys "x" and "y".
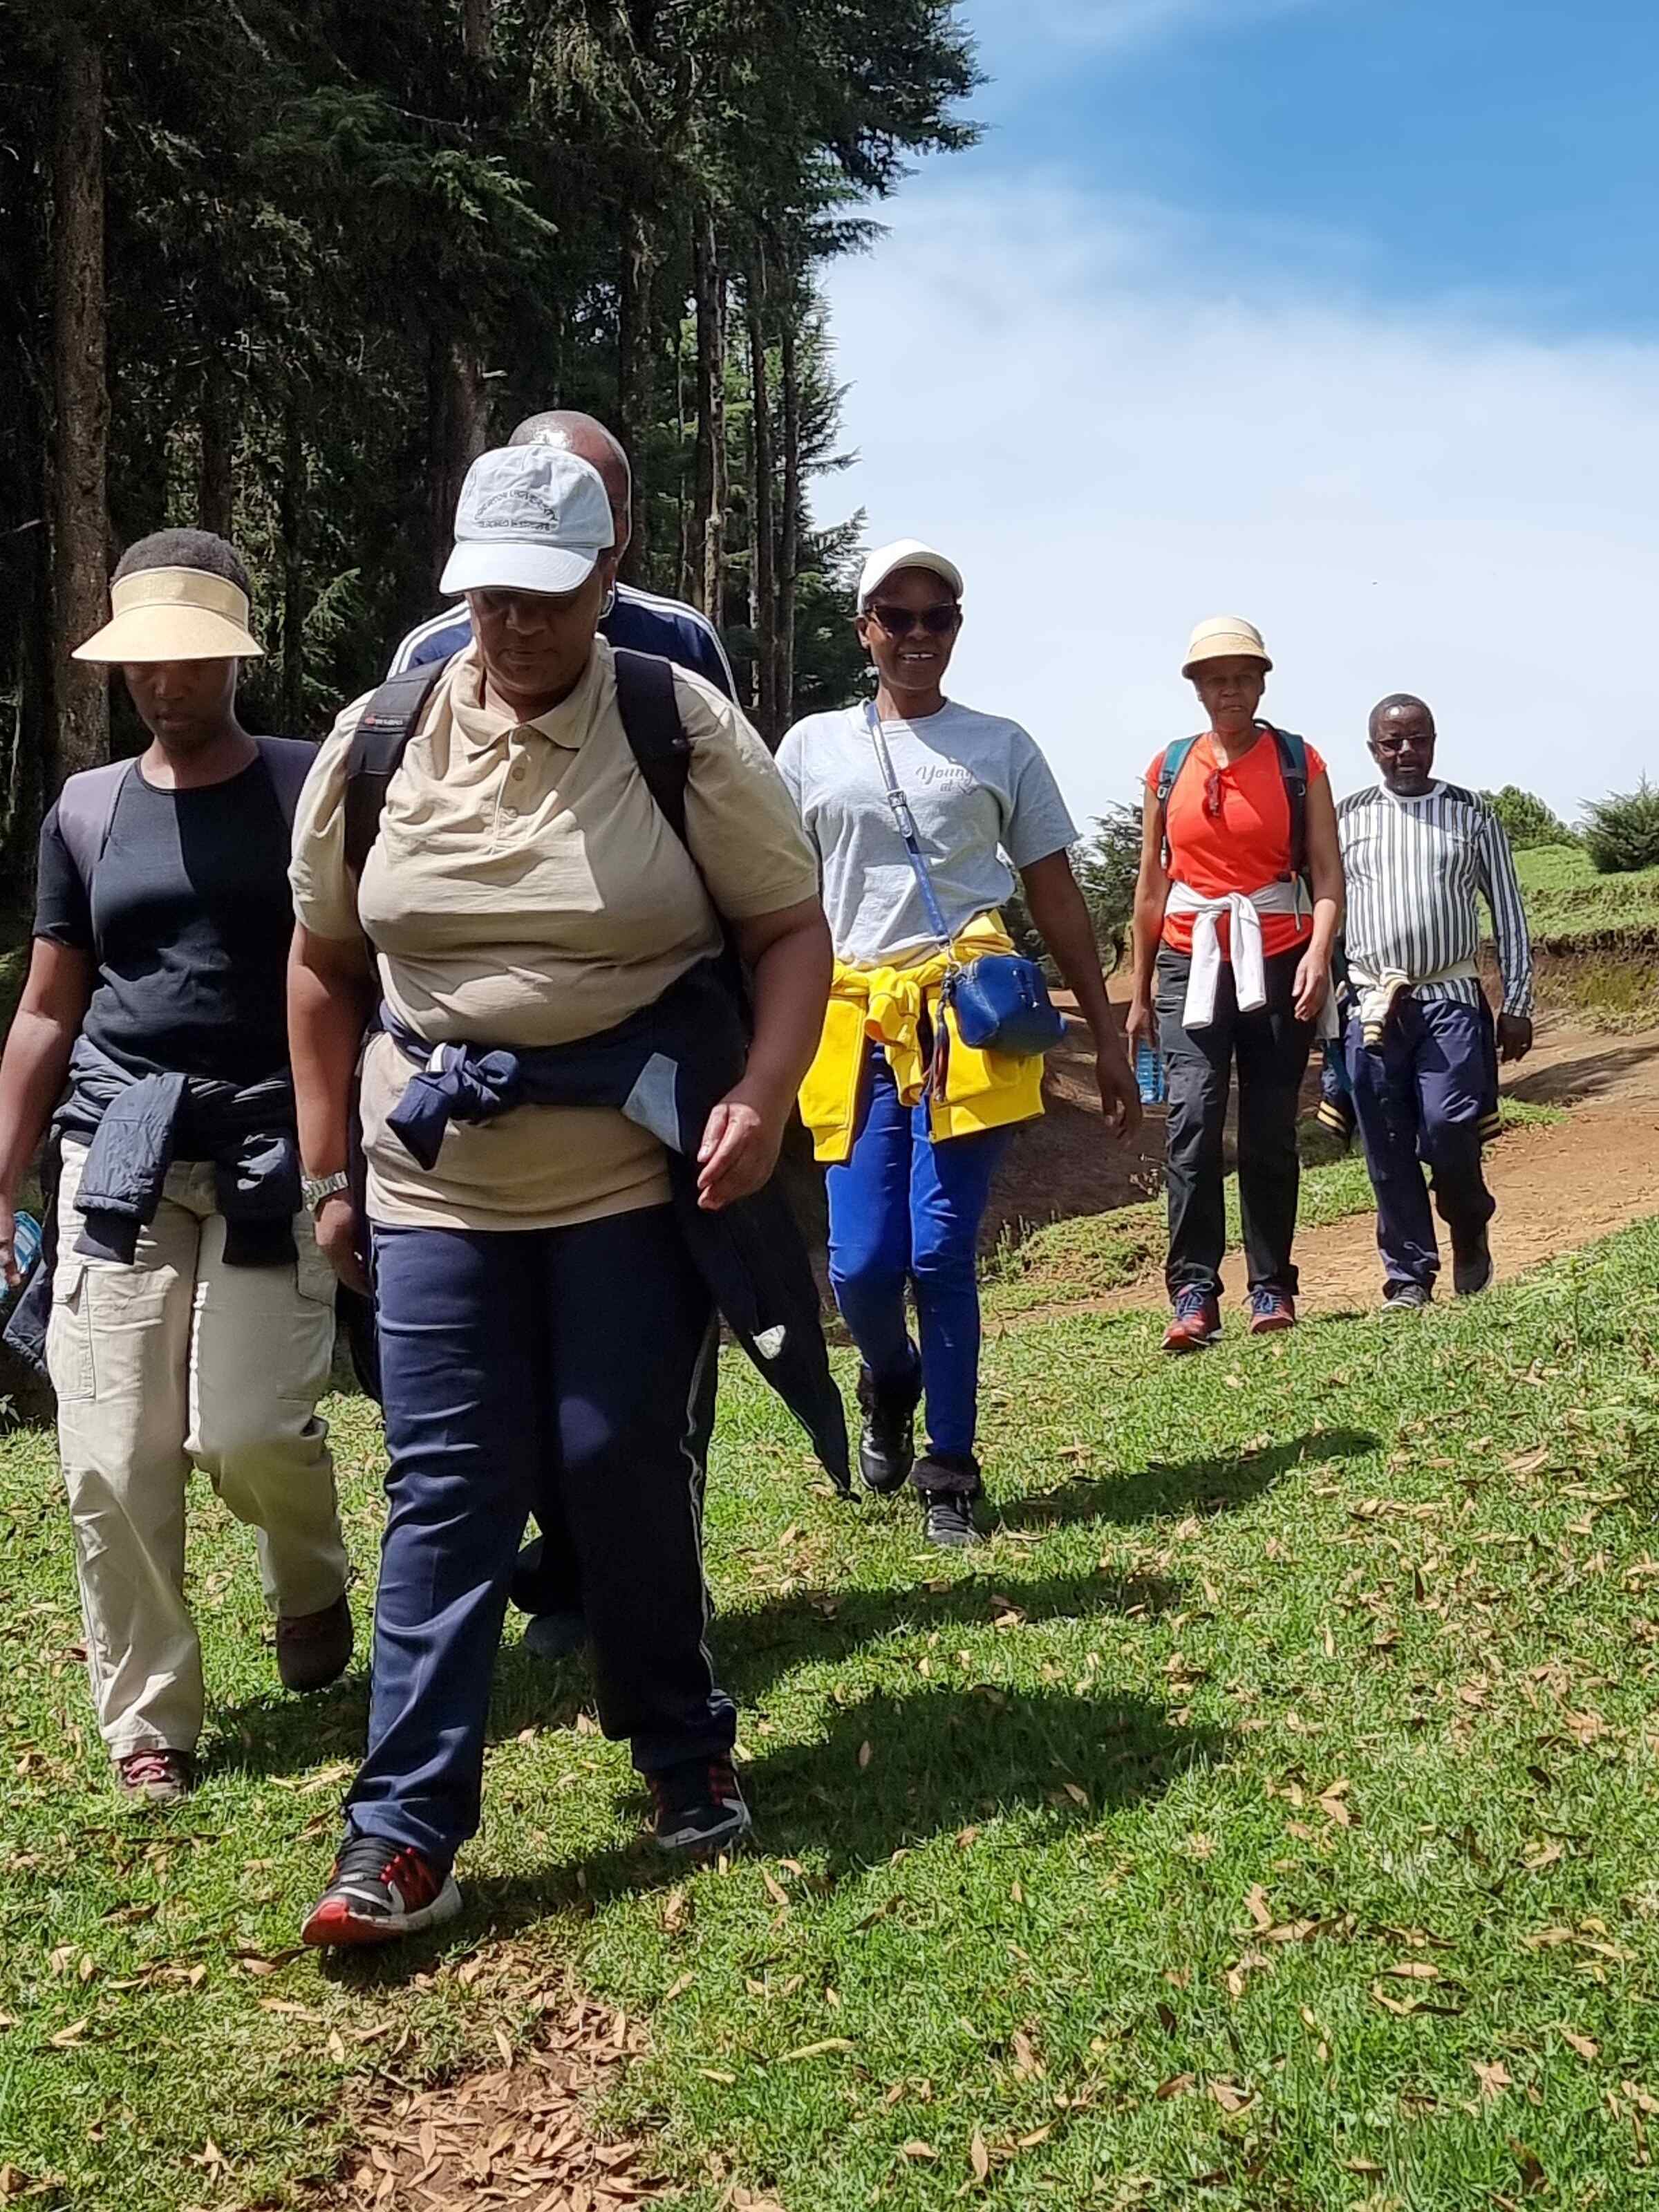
{"x": 1197, "y": 1321}
{"x": 700, "y": 1807}
{"x": 379, "y": 1891}
{"x": 1271, "y": 1311}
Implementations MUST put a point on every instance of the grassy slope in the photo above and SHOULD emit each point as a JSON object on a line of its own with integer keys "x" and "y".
{"x": 1283, "y": 1764}
{"x": 1566, "y": 899}
{"x": 1095, "y": 1254}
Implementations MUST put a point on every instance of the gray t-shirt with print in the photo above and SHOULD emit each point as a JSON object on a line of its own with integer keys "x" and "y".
{"x": 985, "y": 803}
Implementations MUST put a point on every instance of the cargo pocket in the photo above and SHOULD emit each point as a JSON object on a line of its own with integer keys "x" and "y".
{"x": 68, "y": 1333}
{"x": 315, "y": 1278}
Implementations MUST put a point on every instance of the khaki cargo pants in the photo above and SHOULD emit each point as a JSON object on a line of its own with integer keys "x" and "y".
{"x": 174, "y": 1362}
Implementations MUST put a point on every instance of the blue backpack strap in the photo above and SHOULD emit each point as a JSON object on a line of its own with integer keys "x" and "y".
{"x": 1293, "y": 767}
{"x": 1168, "y": 774}
{"x": 86, "y": 808}
{"x": 378, "y": 745}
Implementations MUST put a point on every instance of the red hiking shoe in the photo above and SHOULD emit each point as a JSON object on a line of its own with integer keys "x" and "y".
{"x": 1197, "y": 1322}
{"x": 1271, "y": 1311}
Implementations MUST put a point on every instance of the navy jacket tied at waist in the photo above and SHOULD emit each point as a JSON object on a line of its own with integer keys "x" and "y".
{"x": 665, "y": 1067}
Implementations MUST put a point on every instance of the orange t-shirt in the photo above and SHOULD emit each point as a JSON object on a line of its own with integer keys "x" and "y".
{"x": 1228, "y": 830}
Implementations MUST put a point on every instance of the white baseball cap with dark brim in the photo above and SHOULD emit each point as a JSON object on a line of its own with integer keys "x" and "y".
{"x": 529, "y": 518}
{"x": 1224, "y": 637}
{"x": 905, "y": 553}
{"x": 173, "y": 614}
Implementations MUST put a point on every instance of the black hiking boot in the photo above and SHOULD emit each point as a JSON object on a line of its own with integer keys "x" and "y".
{"x": 949, "y": 1483}
{"x": 1472, "y": 1266}
{"x": 887, "y": 1444}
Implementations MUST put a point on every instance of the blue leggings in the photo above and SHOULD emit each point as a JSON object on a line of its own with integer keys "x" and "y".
{"x": 903, "y": 1209}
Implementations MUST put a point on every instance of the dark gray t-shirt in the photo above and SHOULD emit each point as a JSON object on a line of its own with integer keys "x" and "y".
{"x": 190, "y": 920}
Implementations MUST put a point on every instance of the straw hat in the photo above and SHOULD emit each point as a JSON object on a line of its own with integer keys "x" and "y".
{"x": 173, "y": 614}
{"x": 1224, "y": 637}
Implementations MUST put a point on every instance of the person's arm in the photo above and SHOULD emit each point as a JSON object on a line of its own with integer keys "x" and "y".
{"x": 331, "y": 996}
{"x": 1313, "y": 974}
{"x": 788, "y": 958}
{"x": 1501, "y": 888}
{"x": 36, "y": 1060}
{"x": 1056, "y": 907}
{"x": 1152, "y": 896}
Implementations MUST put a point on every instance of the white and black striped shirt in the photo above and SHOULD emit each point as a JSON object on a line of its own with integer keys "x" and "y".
{"x": 1415, "y": 867}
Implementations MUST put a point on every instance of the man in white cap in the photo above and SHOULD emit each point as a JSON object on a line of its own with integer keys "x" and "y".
{"x": 1422, "y": 1047}
{"x": 1238, "y": 906}
{"x": 912, "y": 1135}
{"x": 559, "y": 1107}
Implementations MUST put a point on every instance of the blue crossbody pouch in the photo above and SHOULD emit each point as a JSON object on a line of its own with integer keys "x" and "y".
{"x": 1000, "y": 1000}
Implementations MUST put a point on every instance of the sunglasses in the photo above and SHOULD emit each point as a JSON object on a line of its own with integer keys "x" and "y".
{"x": 899, "y": 621}
{"x": 1396, "y": 745}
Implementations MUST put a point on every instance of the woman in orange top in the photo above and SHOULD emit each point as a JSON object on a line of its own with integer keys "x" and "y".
{"x": 1234, "y": 927}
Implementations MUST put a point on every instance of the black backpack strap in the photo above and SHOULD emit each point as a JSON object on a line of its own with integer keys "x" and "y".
{"x": 287, "y": 762}
{"x": 378, "y": 744}
{"x": 1293, "y": 767}
{"x": 651, "y": 717}
{"x": 86, "y": 808}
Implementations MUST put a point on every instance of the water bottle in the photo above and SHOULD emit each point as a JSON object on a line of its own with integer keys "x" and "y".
{"x": 1150, "y": 1075}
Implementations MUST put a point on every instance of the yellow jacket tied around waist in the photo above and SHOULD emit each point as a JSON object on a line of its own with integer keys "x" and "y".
{"x": 885, "y": 1006}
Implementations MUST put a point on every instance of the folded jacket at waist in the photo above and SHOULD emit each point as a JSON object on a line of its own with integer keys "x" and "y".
{"x": 1243, "y": 911}
{"x": 1380, "y": 992}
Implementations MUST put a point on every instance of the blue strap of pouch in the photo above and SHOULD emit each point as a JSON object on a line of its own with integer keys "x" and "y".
{"x": 1000, "y": 1000}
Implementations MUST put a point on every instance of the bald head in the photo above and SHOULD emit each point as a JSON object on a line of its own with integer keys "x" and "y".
{"x": 589, "y": 441}
{"x": 1402, "y": 738}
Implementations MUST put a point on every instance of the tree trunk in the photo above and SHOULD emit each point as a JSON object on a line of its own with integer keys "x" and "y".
{"x": 789, "y": 534}
{"x": 478, "y": 24}
{"x": 457, "y": 418}
{"x": 762, "y": 579}
{"x": 635, "y": 393}
{"x": 215, "y": 491}
{"x": 290, "y": 516}
{"x": 80, "y": 525}
{"x": 708, "y": 526}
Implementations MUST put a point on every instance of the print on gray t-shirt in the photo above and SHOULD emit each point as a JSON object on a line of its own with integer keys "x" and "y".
{"x": 985, "y": 802}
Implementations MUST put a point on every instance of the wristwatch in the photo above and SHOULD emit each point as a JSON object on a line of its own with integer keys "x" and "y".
{"x": 313, "y": 1189}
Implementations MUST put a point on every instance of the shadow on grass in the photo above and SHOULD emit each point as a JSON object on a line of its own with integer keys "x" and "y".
{"x": 1219, "y": 1483}
{"x": 937, "y": 1761}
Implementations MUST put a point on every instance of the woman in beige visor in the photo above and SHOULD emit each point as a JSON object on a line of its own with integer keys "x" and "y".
{"x": 182, "y": 1311}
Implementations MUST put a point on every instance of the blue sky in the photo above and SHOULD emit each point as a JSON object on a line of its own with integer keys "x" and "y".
{"x": 1335, "y": 314}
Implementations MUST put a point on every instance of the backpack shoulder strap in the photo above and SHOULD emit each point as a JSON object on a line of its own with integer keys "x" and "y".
{"x": 1175, "y": 759}
{"x": 378, "y": 744}
{"x": 1293, "y": 767}
{"x": 86, "y": 808}
{"x": 287, "y": 762}
{"x": 651, "y": 717}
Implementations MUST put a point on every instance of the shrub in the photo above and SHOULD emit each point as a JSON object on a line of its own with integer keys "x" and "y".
{"x": 1622, "y": 834}
{"x": 1527, "y": 822}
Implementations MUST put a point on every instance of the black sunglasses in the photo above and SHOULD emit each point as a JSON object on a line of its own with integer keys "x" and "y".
{"x": 899, "y": 621}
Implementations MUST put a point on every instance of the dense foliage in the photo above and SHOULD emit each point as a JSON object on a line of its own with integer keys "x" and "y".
{"x": 1621, "y": 832}
{"x": 335, "y": 249}
{"x": 1527, "y": 822}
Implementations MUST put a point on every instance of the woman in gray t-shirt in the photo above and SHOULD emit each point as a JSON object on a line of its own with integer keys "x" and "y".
{"x": 909, "y": 1173}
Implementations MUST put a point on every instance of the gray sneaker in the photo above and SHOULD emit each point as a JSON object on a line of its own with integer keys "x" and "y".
{"x": 1406, "y": 1297}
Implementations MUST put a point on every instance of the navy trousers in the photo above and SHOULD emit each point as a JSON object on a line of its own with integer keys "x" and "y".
{"x": 1420, "y": 1098}
{"x": 572, "y": 1368}
{"x": 905, "y": 1209}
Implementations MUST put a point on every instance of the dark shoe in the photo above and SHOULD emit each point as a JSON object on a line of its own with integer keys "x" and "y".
{"x": 1197, "y": 1321}
{"x": 699, "y": 1808}
{"x": 1406, "y": 1297}
{"x": 378, "y": 1892}
{"x": 314, "y": 1649}
{"x": 949, "y": 1483}
{"x": 1271, "y": 1311}
{"x": 1471, "y": 1269}
{"x": 887, "y": 1444}
{"x": 555, "y": 1635}
{"x": 154, "y": 1776}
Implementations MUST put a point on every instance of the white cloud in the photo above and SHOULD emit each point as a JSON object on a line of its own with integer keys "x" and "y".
{"x": 1120, "y": 423}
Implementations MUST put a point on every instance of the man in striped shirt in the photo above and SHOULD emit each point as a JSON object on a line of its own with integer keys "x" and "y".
{"x": 1422, "y": 1050}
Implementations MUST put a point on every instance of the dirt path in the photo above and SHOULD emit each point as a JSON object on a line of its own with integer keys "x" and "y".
{"x": 1557, "y": 1188}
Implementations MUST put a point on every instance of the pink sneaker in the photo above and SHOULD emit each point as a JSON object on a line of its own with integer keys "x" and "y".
{"x": 155, "y": 1776}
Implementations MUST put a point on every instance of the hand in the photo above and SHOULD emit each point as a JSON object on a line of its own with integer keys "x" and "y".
{"x": 1120, "y": 1094}
{"x": 1312, "y": 987}
{"x": 336, "y": 1240}
{"x": 1140, "y": 1025}
{"x": 739, "y": 1148}
{"x": 1514, "y": 1036}
{"x": 9, "y": 1274}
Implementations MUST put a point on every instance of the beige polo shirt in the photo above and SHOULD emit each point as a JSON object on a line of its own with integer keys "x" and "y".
{"x": 526, "y": 889}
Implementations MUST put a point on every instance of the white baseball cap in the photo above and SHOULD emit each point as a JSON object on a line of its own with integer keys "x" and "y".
{"x": 529, "y": 518}
{"x": 905, "y": 553}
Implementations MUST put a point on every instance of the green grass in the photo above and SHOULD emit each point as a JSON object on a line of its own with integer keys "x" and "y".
{"x": 1567, "y": 903}
{"x": 1286, "y": 1760}
{"x": 1090, "y": 1257}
